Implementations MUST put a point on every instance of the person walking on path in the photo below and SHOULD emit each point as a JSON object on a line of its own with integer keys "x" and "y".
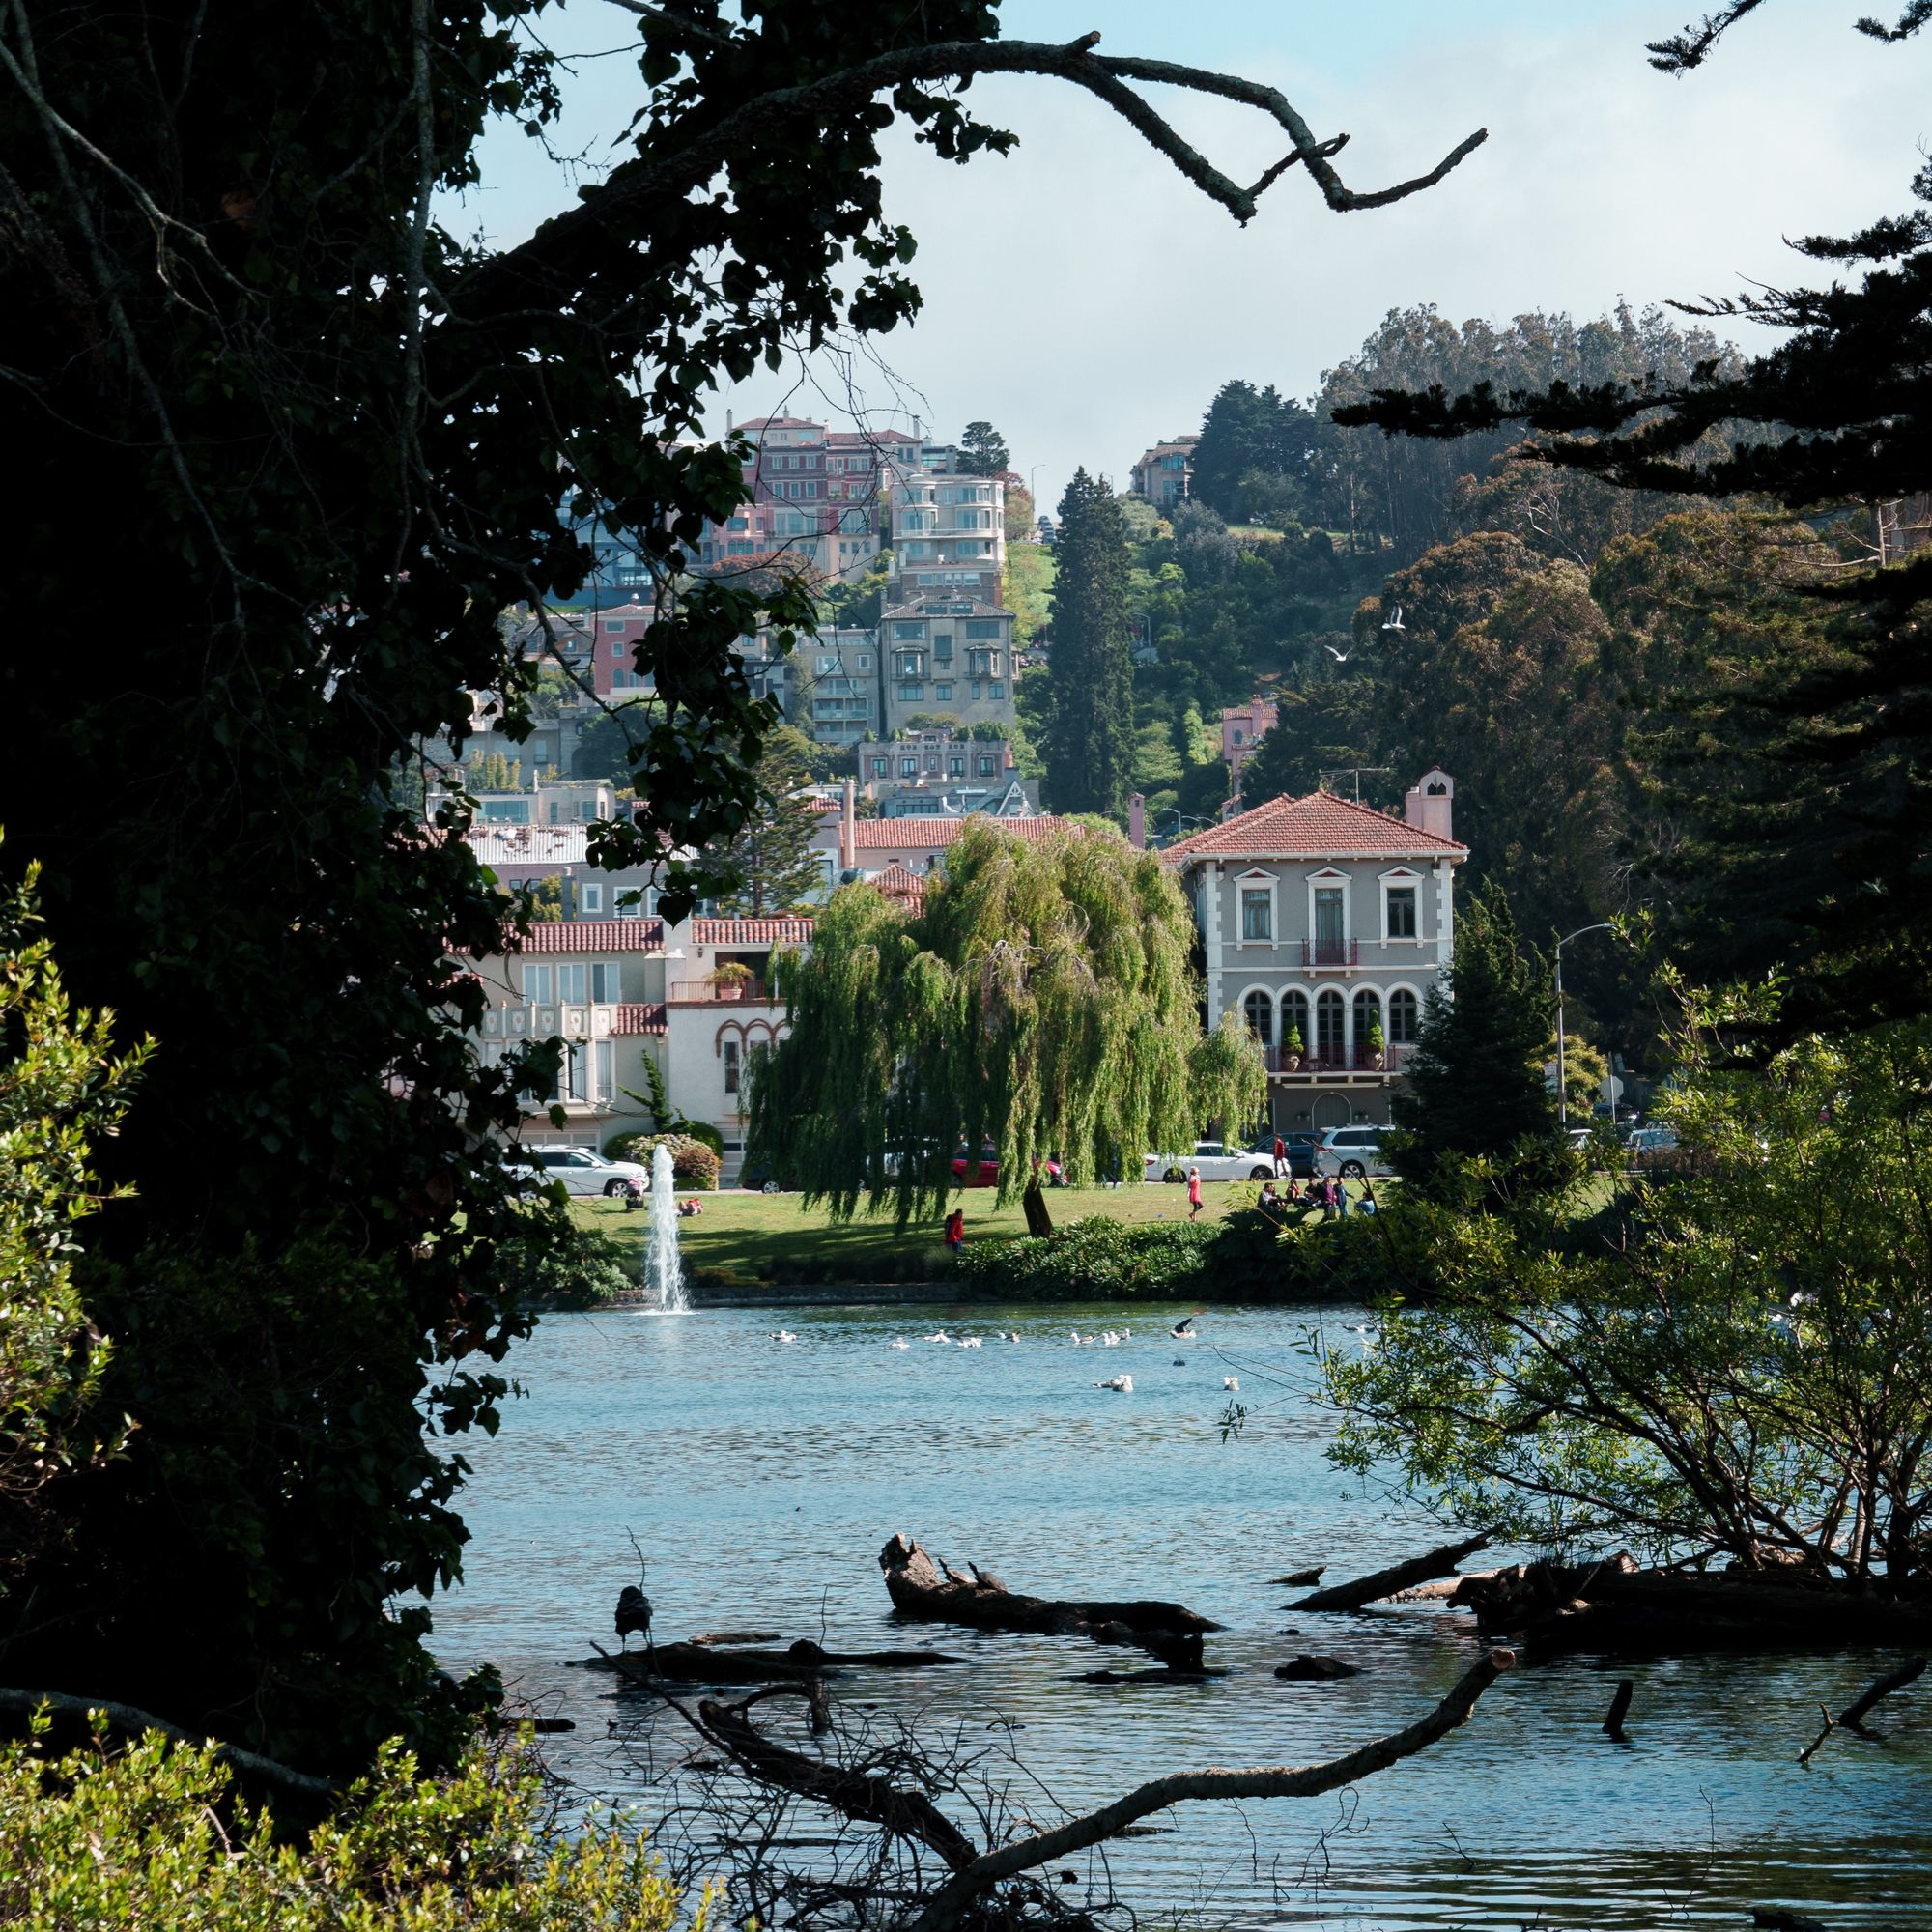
{"x": 955, "y": 1230}
{"x": 1280, "y": 1158}
{"x": 1193, "y": 1192}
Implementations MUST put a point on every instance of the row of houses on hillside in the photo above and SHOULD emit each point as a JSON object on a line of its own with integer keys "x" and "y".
{"x": 1325, "y": 925}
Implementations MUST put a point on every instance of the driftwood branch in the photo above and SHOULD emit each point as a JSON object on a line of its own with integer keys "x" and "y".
{"x": 920, "y": 1586}
{"x": 1853, "y": 1716}
{"x": 951, "y": 1903}
{"x": 700, "y": 1662}
{"x": 1397, "y": 1577}
{"x": 125, "y": 1720}
{"x": 622, "y": 206}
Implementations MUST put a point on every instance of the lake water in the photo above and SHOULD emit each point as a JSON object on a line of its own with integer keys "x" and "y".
{"x": 761, "y": 1479}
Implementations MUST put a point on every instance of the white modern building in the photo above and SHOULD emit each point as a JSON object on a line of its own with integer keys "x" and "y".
{"x": 1325, "y": 922}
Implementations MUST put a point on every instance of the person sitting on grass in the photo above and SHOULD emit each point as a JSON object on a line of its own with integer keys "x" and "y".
{"x": 687, "y": 1208}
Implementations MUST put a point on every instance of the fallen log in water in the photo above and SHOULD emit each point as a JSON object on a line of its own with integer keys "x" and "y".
{"x": 936, "y": 1593}
{"x": 714, "y": 1663}
{"x": 1853, "y": 1716}
{"x": 1614, "y": 1606}
{"x": 1364, "y": 1590}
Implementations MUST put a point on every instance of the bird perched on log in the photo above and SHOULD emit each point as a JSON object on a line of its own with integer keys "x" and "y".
{"x": 634, "y": 1612}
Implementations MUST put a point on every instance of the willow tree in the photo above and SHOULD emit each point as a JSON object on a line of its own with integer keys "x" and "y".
{"x": 1041, "y": 1001}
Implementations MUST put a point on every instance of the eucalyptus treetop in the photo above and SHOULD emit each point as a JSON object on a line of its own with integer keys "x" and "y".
{"x": 1041, "y": 1001}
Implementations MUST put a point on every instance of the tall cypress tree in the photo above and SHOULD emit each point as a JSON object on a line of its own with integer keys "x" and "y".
{"x": 1089, "y": 754}
{"x": 1475, "y": 1073}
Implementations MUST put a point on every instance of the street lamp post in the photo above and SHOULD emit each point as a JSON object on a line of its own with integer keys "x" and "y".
{"x": 1562, "y": 1069}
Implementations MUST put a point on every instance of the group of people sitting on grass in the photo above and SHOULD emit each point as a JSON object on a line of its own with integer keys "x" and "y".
{"x": 1324, "y": 1195}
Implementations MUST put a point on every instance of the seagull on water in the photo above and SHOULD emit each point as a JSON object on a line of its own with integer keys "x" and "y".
{"x": 969, "y": 1341}
{"x": 1119, "y": 1384}
{"x": 901, "y": 1342}
{"x": 784, "y": 1335}
{"x": 942, "y": 1336}
{"x": 1232, "y": 1382}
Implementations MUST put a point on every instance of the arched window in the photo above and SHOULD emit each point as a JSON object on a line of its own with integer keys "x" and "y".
{"x": 1368, "y": 1010}
{"x": 1260, "y": 1011}
{"x": 1330, "y": 1019}
{"x": 1294, "y": 1020}
{"x": 1402, "y": 1017}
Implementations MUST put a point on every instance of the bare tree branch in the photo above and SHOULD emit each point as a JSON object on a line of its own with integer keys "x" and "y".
{"x": 640, "y": 185}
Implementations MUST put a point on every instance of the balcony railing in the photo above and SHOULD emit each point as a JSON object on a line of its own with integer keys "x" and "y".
{"x": 1358, "y": 1059}
{"x": 709, "y": 992}
{"x": 1331, "y": 952}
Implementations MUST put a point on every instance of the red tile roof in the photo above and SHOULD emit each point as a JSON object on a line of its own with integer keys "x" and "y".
{"x": 1319, "y": 826}
{"x": 639, "y": 1019}
{"x": 591, "y": 935}
{"x": 896, "y": 883}
{"x": 750, "y": 931}
{"x": 921, "y": 831}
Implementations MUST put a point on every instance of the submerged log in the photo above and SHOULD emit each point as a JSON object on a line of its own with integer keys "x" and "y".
{"x": 936, "y": 1593}
{"x": 1301, "y": 1579}
{"x": 1620, "y": 1706}
{"x": 714, "y": 1663}
{"x": 1853, "y": 1716}
{"x": 1388, "y": 1583}
{"x": 1316, "y": 1670}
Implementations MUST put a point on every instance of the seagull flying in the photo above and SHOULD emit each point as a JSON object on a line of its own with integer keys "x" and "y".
{"x": 1393, "y": 623}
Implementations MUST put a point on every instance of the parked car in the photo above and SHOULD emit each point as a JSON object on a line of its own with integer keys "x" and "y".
{"x": 1352, "y": 1152}
{"x": 1651, "y": 1147}
{"x": 1216, "y": 1161}
{"x": 583, "y": 1170}
{"x": 763, "y": 1177}
{"x": 985, "y": 1171}
{"x": 1300, "y": 1152}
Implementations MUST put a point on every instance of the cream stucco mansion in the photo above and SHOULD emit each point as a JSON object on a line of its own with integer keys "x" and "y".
{"x": 1325, "y": 921}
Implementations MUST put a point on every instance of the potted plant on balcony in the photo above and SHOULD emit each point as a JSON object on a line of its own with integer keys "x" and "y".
{"x": 1291, "y": 1049}
{"x": 730, "y": 980}
{"x": 1377, "y": 1045}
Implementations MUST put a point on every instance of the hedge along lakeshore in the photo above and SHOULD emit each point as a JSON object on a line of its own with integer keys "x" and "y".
{"x": 1129, "y": 1241}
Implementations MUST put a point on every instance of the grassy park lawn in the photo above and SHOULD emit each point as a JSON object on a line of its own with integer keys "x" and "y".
{"x": 750, "y": 1237}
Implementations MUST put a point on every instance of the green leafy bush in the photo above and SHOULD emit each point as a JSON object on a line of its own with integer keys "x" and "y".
{"x": 155, "y": 1836}
{"x": 558, "y": 1263}
{"x": 694, "y": 1164}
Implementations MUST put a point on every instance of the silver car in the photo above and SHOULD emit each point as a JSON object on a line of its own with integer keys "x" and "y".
{"x": 585, "y": 1172}
{"x": 1216, "y": 1161}
{"x": 1353, "y": 1153}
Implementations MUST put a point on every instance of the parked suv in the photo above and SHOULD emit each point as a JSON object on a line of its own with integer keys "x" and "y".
{"x": 1300, "y": 1152}
{"x": 582, "y": 1171}
{"x": 1352, "y": 1152}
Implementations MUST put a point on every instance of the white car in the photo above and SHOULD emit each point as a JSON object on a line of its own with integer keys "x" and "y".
{"x": 583, "y": 1172}
{"x": 1216, "y": 1162}
{"x": 1353, "y": 1153}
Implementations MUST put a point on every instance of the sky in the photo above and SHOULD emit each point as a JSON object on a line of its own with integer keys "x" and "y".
{"x": 1088, "y": 300}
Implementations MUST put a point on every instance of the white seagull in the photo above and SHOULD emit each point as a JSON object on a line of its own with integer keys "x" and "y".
{"x": 901, "y": 1342}
{"x": 1232, "y": 1382}
{"x": 942, "y": 1336}
{"x": 784, "y": 1335}
{"x": 1393, "y": 623}
{"x": 1119, "y": 1384}
{"x": 969, "y": 1341}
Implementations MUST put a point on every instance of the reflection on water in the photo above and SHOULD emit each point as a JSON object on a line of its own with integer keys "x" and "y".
{"x": 762, "y": 1477}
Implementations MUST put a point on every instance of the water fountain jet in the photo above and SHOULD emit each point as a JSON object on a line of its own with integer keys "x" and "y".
{"x": 664, "y": 1267}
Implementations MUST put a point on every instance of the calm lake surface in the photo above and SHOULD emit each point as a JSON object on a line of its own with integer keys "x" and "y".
{"x": 761, "y": 1478}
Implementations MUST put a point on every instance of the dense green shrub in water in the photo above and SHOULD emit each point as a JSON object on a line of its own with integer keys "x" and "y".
{"x": 155, "y": 1837}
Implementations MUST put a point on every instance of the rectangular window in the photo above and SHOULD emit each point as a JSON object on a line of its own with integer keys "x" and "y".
{"x": 617, "y": 626}
{"x": 1257, "y": 912}
{"x": 908, "y": 768}
{"x": 956, "y": 768}
{"x": 996, "y": 691}
{"x": 604, "y": 989}
{"x": 1328, "y": 924}
{"x": 911, "y": 694}
{"x": 730, "y": 1066}
{"x": 880, "y": 767}
{"x": 908, "y": 629}
{"x": 1402, "y": 912}
{"x": 590, "y": 898}
{"x": 573, "y": 984}
{"x": 865, "y": 663}
{"x": 604, "y": 1072}
{"x": 989, "y": 764}
{"x": 538, "y": 984}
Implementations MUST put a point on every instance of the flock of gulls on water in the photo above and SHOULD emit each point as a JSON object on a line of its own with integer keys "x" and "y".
{"x": 1182, "y": 1330}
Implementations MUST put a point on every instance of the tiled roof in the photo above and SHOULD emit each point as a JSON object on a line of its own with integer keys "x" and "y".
{"x": 896, "y": 883}
{"x": 778, "y": 422}
{"x": 631, "y": 1019}
{"x": 917, "y": 833}
{"x": 1319, "y": 826}
{"x": 938, "y": 603}
{"x": 591, "y": 935}
{"x": 750, "y": 931}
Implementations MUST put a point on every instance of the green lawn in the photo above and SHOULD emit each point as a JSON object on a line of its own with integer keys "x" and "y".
{"x": 751, "y": 1238}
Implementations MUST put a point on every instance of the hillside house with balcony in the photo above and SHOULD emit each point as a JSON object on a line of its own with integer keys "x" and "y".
{"x": 695, "y": 999}
{"x": 1326, "y": 921}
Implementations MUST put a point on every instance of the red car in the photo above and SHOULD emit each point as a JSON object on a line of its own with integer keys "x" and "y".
{"x": 988, "y": 1174}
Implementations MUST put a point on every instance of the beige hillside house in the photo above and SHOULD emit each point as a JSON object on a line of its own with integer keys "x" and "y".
{"x": 1325, "y": 925}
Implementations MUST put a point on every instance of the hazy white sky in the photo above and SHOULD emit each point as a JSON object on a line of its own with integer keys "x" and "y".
{"x": 1088, "y": 300}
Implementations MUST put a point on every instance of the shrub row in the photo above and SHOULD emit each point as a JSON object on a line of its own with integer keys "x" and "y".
{"x": 693, "y": 1162}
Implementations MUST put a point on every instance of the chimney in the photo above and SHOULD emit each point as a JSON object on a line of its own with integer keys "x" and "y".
{"x": 848, "y": 833}
{"x": 1137, "y": 822}
{"x": 728, "y": 422}
{"x": 1429, "y": 802}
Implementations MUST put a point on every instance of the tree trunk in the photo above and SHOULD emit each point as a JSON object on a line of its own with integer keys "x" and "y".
{"x": 1387, "y": 1582}
{"x": 1039, "y": 1223}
